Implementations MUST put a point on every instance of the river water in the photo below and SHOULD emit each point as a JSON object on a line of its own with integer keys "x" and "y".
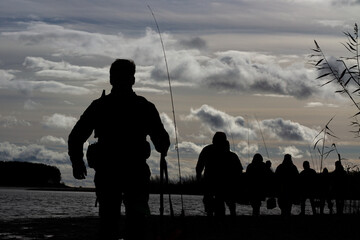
{"x": 21, "y": 203}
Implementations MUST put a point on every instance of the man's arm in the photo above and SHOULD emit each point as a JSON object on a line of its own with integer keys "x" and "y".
{"x": 158, "y": 134}
{"x": 78, "y": 136}
{"x": 200, "y": 165}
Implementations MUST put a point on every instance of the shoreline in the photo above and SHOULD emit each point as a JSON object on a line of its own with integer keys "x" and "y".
{"x": 329, "y": 227}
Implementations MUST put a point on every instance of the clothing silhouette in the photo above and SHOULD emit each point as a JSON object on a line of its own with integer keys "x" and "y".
{"x": 287, "y": 178}
{"x": 308, "y": 180}
{"x": 222, "y": 169}
{"x": 121, "y": 121}
{"x": 255, "y": 176}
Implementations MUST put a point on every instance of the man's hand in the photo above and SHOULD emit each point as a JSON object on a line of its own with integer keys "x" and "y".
{"x": 79, "y": 170}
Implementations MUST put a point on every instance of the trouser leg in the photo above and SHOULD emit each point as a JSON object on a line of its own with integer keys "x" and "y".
{"x": 137, "y": 209}
{"x": 313, "y": 207}
{"x": 219, "y": 206}
{"x": 109, "y": 213}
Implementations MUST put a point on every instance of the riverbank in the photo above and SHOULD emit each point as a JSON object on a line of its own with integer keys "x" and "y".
{"x": 194, "y": 227}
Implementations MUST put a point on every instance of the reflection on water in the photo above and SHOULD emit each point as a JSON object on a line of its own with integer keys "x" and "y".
{"x": 19, "y": 203}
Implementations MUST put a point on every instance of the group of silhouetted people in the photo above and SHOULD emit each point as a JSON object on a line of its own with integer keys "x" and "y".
{"x": 226, "y": 183}
{"x": 122, "y": 121}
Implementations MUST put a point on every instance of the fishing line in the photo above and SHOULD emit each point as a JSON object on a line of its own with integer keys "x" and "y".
{"x": 172, "y": 105}
{"x": 262, "y": 136}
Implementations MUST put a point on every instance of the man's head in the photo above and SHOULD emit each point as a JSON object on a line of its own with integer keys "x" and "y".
{"x": 122, "y": 73}
{"x": 287, "y": 159}
{"x": 219, "y": 138}
{"x": 306, "y": 165}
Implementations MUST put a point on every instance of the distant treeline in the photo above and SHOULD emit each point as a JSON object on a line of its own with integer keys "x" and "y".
{"x": 25, "y": 174}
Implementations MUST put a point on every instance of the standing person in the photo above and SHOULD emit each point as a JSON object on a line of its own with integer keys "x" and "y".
{"x": 231, "y": 170}
{"x": 121, "y": 121}
{"x": 287, "y": 176}
{"x": 214, "y": 161}
{"x": 325, "y": 191}
{"x": 339, "y": 186}
{"x": 307, "y": 181}
{"x": 255, "y": 176}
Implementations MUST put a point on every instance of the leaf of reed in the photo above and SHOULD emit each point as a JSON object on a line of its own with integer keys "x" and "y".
{"x": 356, "y": 114}
{"x": 319, "y": 151}
{"x": 332, "y": 135}
{"x": 355, "y": 66}
{"x": 316, "y": 44}
{"x": 317, "y": 141}
{"x": 347, "y": 48}
{"x": 349, "y": 35}
{"x": 350, "y": 46}
{"x": 319, "y": 62}
{"x": 346, "y": 83}
{"x": 327, "y": 82}
{"x": 340, "y": 91}
{"x": 324, "y": 75}
{"x": 357, "y": 90}
{"x": 342, "y": 74}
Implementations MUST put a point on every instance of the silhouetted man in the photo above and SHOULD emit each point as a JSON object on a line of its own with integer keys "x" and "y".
{"x": 121, "y": 121}
{"x": 221, "y": 171}
{"x": 256, "y": 177}
{"x": 308, "y": 180}
{"x": 287, "y": 178}
{"x": 339, "y": 178}
{"x": 325, "y": 191}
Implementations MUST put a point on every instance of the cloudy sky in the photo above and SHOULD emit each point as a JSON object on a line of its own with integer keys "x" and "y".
{"x": 238, "y": 66}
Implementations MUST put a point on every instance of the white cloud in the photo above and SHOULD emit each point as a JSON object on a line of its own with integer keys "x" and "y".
{"x": 292, "y": 150}
{"x": 52, "y": 139}
{"x": 32, "y": 153}
{"x": 189, "y": 147}
{"x": 12, "y": 121}
{"x": 65, "y": 70}
{"x": 8, "y": 80}
{"x": 320, "y": 104}
{"x": 247, "y": 149}
{"x": 168, "y": 124}
{"x": 31, "y": 105}
{"x": 59, "y": 121}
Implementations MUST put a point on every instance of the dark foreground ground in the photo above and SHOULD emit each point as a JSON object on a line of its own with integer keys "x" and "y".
{"x": 195, "y": 227}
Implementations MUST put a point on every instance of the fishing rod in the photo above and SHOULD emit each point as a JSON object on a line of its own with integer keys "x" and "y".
{"x": 262, "y": 136}
{"x": 173, "y": 111}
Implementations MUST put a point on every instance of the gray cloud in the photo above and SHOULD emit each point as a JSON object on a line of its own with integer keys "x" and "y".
{"x": 196, "y": 42}
{"x": 229, "y": 70}
{"x": 288, "y": 130}
{"x": 215, "y": 120}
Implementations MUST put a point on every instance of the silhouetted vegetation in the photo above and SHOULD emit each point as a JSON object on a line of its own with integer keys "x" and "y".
{"x": 25, "y": 174}
{"x": 344, "y": 71}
